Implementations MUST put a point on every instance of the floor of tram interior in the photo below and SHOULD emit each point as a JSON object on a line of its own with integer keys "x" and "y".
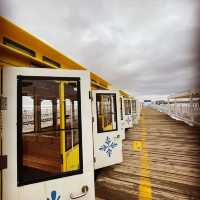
{"x": 30, "y": 174}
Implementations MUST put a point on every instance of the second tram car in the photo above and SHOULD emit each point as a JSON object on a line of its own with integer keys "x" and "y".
{"x": 128, "y": 117}
{"x": 106, "y": 123}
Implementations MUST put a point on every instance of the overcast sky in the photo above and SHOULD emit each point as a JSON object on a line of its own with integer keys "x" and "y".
{"x": 148, "y": 47}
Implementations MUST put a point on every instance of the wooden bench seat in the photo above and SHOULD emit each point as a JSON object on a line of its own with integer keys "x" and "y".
{"x": 42, "y": 152}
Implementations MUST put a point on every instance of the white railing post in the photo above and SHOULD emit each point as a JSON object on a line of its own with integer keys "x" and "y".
{"x": 191, "y": 110}
{"x": 168, "y": 107}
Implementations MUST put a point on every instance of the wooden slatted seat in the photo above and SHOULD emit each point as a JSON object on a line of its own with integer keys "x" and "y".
{"x": 42, "y": 152}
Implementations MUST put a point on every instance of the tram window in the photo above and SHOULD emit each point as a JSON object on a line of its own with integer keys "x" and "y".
{"x": 127, "y": 105}
{"x": 58, "y": 112}
{"x": 71, "y": 113}
{"x": 49, "y": 131}
{"x": 121, "y": 108}
{"x": 28, "y": 114}
{"x": 134, "y": 106}
{"x": 106, "y": 112}
{"x": 46, "y": 113}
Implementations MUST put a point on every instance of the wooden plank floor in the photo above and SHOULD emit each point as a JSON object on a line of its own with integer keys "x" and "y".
{"x": 173, "y": 161}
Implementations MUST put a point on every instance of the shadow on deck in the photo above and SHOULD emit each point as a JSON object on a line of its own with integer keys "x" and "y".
{"x": 165, "y": 166}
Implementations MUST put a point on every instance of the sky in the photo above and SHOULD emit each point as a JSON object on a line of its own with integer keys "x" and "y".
{"x": 146, "y": 47}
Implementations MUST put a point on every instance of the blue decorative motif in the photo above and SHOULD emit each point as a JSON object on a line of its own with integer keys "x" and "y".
{"x": 54, "y": 196}
{"x": 108, "y": 146}
{"x": 128, "y": 120}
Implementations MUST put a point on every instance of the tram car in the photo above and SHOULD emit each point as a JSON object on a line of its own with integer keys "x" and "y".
{"x": 122, "y": 112}
{"x": 59, "y": 121}
{"x": 107, "y": 132}
{"x": 136, "y": 107}
{"x": 128, "y": 112}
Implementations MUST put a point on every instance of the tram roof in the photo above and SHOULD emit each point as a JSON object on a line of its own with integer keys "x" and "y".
{"x": 98, "y": 82}
{"x": 123, "y": 93}
{"x": 20, "y": 47}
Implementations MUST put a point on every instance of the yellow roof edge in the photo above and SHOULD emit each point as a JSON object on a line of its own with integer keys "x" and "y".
{"x": 123, "y": 93}
{"x": 3, "y": 20}
{"x": 99, "y": 81}
{"x": 37, "y": 61}
{"x": 99, "y": 85}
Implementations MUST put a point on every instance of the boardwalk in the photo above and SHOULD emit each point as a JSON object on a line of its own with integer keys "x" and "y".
{"x": 163, "y": 164}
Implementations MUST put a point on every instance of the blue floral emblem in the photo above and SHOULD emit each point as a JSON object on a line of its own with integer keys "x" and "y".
{"x": 108, "y": 146}
{"x": 128, "y": 120}
{"x": 54, "y": 196}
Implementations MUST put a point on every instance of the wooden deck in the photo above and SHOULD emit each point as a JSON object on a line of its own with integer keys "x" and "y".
{"x": 164, "y": 164}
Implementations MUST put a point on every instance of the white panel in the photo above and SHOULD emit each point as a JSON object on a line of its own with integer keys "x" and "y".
{"x": 63, "y": 186}
{"x": 100, "y": 139}
{"x": 128, "y": 119}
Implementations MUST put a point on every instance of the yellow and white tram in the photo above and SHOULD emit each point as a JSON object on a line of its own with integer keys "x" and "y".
{"x": 136, "y": 107}
{"x": 60, "y": 122}
{"x": 128, "y": 117}
{"x": 107, "y": 132}
{"x": 130, "y": 110}
{"x": 122, "y": 112}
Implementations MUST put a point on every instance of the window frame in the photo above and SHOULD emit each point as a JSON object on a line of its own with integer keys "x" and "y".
{"x": 33, "y": 119}
{"x": 121, "y": 109}
{"x": 115, "y": 106}
{"x": 129, "y": 107}
{"x": 20, "y": 181}
{"x": 42, "y": 129}
{"x": 134, "y": 110}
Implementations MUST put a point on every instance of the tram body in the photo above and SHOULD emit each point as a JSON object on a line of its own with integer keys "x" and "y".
{"x": 106, "y": 123}
{"x": 122, "y": 113}
{"x": 48, "y": 159}
{"x": 54, "y": 132}
{"x": 136, "y": 107}
{"x": 128, "y": 116}
{"x": 106, "y": 128}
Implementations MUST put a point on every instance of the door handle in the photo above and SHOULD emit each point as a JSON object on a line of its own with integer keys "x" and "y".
{"x": 85, "y": 190}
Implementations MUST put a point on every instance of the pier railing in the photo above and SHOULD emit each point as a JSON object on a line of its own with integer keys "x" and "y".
{"x": 184, "y": 107}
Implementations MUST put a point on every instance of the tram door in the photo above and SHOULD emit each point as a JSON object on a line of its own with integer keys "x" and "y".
{"x": 106, "y": 128}
{"x": 47, "y": 135}
{"x": 135, "y": 112}
{"x": 128, "y": 118}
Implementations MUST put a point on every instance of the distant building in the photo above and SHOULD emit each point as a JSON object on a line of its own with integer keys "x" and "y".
{"x": 147, "y": 102}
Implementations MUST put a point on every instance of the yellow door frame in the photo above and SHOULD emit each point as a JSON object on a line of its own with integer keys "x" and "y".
{"x": 70, "y": 158}
{"x": 62, "y": 126}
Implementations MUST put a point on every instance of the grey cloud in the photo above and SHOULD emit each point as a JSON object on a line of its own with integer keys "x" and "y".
{"x": 144, "y": 46}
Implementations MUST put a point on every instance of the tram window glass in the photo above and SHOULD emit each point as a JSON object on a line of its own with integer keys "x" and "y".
{"x": 58, "y": 112}
{"x": 106, "y": 112}
{"x": 49, "y": 128}
{"x": 71, "y": 113}
{"x": 121, "y": 108}
{"x": 46, "y": 113}
{"x": 28, "y": 114}
{"x": 127, "y": 105}
{"x": 134, "y": 106}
